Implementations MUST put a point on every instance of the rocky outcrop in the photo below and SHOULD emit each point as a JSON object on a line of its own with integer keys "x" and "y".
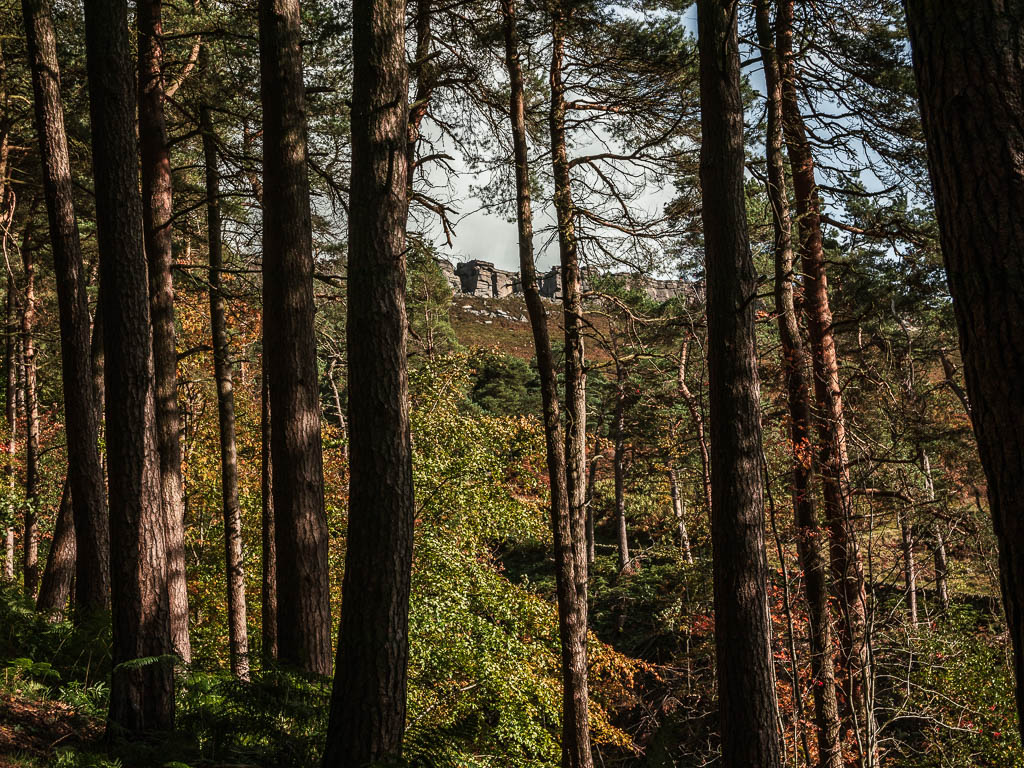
{"x": 484, "y": 280}
{"x": 449, "y": 274}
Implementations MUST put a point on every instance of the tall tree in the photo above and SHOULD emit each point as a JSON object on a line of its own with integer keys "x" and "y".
{"x": 238, "y": 635}
{"x": 85, "y": 474}
{"x": 748, "y": 712}
{"x": 157, "y": 212}
{"x": 576, "y": 746}
{"x": 141, "y": 695}
{"x": 11, "y": 416}
{"x": 830, "y": 422}
{"x": 575, "y": 723}
{"x": 368, "y": 702}
{"x": 300, "y": 525}
{"x": 798, "y": 398}
{"x": 967, "y": 64}
{"x": 30, "y": 540}
{"x": 268, "y": 562}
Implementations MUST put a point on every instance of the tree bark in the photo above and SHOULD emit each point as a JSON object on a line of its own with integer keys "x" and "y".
{"x": 30, "y": 543}
{"x": 939, "y": 540}
{"x": 157, "y": 212}
{"x": 268, "y": 588}
{"x": 86, "y": 489}
{"x": 238, "y": 634}
{"x": 844, "y": 552}
{"x": 11, "y": 414}
{"x": 698, "y": 422}
{"x": 679, "y": 509}
{"x": 748, "y": 712}
{"x": 367, "y": 721}
{"x": 909, "y": 566}
{"x": 304, "y": 611}
{"x": 141, "y": 696}
{"x": 576, "y": 752}
{"x": 59, "y": 573}
{"x": 794, "y": 366}
{"x": 619, "y": 461}
{"x": 967, "y": 63}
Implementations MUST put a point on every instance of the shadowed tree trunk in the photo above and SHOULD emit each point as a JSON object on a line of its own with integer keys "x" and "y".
{"x": 268, "y": 588}
{"x": 575, "y": 726}
{"x": 795, "y": 367}
{"x": 367, "y": 721}
{"x": 844, "y": 552}
{"x": 141, "y": 697}
{"x": 30, "y": 543}
{"x": 304, "y": 612}
{"x": 85, "y": 474}
{"x": 157, "y": 211}
{"x": 576, "y": 751}
{"x": 59, "y": 573}
{"x": 238, "y": 635}
{"x": 967, "y": 62}
{"x": 748, "y": 712}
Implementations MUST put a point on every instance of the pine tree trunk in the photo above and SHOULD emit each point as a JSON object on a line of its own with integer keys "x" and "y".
{"x": 141, "y": 697}
{"x": 85, "y": 474}
{"x": 679, "y": 509}
{"x": 300, "y": 529}
{"x": 238, "y": 634}
{"x": 576, "y": 751}
{"x": 11, "y": 414}
{"x": 368, "y": 703}
{"x": 565, "y": 578}
{"x": 844, "y": 552}
{"x": 698, "y": 422}
{"x": 591, "y": 480}
{"x": 909, "y": 566}
{"x": 59, "y": 573}
{"x": 939, "y": 540}
{"x": 967, "y": 62}
{"x": 620, "y": 474}
{"x": 795, "y": 366}
{"x": 157, "y": 211}
{"x": 268, "y": 588}
{"x": 748, "y": 712}
{"x": 30, "y": 544}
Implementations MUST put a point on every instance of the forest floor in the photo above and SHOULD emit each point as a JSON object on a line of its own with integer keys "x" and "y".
{"x": 33, "y": 730}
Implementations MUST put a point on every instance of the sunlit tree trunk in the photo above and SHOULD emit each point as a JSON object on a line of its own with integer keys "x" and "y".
{"x": 679, "y": 509}
{"x": 30, "y": 541}
{"x": 576, "y": 751}
{"x": 795, "y": 369}
{"x": 844, "y": 552}
{"x": 157, "y": 211}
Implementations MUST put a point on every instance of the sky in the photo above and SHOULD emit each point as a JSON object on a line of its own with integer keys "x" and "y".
{"x": 489, "y": 237}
